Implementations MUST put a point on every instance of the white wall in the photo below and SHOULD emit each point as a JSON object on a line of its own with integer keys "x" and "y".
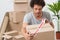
{"x": 5, "y": 5}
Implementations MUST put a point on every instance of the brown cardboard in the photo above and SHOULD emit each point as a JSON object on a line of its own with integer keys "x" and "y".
{"x": 21, "y": 0}
{"x": 7, "y": 37}
{"x": 11, "y": 33}
{"x": 3, "y": 26}
{"x": 19, "y": 37}
{"x": 15, "y": 26}
{"x": 21, "y": 7}
{"x": 46, "y": 32}
{"x": 16, "y": 16}
{"x": 12, "y": 21}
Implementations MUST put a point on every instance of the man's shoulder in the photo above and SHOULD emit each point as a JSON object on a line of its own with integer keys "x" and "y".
{"x": 44, "y": 12}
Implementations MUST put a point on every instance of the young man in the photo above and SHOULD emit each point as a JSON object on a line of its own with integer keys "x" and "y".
{"x": 35, "y": 17}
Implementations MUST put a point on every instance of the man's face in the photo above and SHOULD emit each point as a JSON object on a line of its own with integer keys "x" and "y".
{"x": 37, "y": 10}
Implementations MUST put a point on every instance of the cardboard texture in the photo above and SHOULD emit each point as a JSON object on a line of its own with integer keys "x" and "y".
{"x": 13, "y": 35}
{"x": 7, "y": 37}
{"x": 3, "y": 27}
{"x": 46, "y": 32}
{"x": 16, "y": 19}
{"x": 16, "y": 16}
{"x": 12, "y": 21}
{"x": 19, "y": 37}
{"x": 21, "y": 7}
{"x": 21, "y": 0}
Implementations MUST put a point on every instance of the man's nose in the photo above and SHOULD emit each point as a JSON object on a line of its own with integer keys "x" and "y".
{"x": 38, "y": 11}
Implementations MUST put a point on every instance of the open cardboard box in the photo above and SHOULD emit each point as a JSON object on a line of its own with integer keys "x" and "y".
{"x": 46, "y": 32}
{"x": 13, "y": 35}
{"x": 12, "y": 21}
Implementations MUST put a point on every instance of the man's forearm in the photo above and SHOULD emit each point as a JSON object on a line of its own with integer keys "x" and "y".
{"x": 23, "y": 30}
{"x": 51, "y": 23}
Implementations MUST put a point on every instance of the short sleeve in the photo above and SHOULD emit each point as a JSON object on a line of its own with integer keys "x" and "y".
{"x": 26, "y": 18}
{"x": 49, "y": 17}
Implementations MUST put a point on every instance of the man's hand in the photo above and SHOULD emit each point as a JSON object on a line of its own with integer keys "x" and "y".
{"x": 28, "y": 36}
{"x": 51, "y": 23}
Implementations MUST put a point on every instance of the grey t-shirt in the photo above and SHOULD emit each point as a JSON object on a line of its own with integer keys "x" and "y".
{"x": 30, "y": 18}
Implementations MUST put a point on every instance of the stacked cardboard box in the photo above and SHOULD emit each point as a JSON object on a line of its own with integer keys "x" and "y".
{"x": 12, "y": 21}
{"x": 21, "y": 5}
{"x": 15, "y": 20}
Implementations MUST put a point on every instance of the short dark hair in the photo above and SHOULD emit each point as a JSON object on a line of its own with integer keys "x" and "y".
{"x": 37, "y": 2}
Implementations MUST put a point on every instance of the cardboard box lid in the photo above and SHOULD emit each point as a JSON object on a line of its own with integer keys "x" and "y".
{"x": 19, "y": 36}
{"x": 12, "y": 33}
{"x": 45, "y": 28}
{"x": 46, "y": 32}
{"x": 4, "y": 25}
{"x": 7, "y": 36}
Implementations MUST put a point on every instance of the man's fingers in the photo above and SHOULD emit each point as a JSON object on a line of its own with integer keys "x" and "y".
{"x": 46, "y": 21}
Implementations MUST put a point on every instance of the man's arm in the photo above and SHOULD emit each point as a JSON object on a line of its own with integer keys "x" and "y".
{"x": 23, "y": 30}
{"x": 26, "y": 35}
{"x": 51, "y": 23}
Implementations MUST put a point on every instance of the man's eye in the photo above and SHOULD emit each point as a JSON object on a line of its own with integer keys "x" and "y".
{"x": 40, "y": 9}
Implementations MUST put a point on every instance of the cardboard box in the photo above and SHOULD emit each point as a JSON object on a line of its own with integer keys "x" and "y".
{"x": 15, "y": 20}
{"x": 3, "y": 26}
{"x": 15, "y": 26}
{"x": 46, "y": 32}
{"x": 21, "y": 7}
{"x": 7, "y": 37}
{"x": 21, "y": 0}
{"x": 19, "y": 37}
{"x": 16, "y": 16}
{"x": 13, "y": 35}
{"x": 12, "y": 21}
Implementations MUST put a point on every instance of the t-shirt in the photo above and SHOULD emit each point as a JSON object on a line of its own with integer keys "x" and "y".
{"x": 31, "y": 20}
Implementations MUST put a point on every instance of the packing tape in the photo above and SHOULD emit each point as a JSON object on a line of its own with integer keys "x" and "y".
{"x": 41, "y": 24}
